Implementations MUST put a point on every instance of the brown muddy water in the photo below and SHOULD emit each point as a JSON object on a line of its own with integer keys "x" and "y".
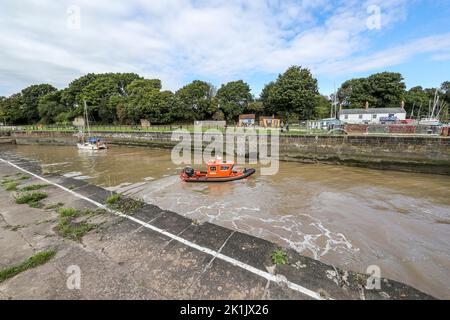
{"x": 349, "y": 217}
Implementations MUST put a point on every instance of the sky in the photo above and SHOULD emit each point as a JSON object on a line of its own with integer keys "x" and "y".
{"x": 178, "y": 41}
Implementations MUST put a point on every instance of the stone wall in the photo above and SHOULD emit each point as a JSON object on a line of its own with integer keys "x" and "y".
{"x": 427, "y": 154}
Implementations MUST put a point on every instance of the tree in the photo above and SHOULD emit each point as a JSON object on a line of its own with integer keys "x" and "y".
{"x": 355, "y": 93}
{"x": 144, "y": 100}
{"x": 445, "y": 89}
{"x": 11, "y": 109}
{"x": 381, "y": 90}
{"x": 323, "y": 108}
{"x": 294, "y": 94}
{"x": 419, "y": 99}
{"x": 98, "y": 90}
{"x": 264, "y": 97}
{"x": 255, "y": 107}
{"x": 30, "y": 100}
{"x": 233, "y": 99}
{"x": 387, "y": 88}
{"x": 50, "y": 107}
{"x": 195, "y": 101}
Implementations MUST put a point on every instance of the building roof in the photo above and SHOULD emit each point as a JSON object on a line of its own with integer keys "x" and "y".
{"x": 247, "y": 116}
{"x": 373, "y": 111}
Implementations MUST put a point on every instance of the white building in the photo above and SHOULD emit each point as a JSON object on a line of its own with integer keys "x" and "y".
{"x": 374, "y": 115}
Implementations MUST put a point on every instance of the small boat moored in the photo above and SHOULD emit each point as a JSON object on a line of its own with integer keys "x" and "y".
{"x": 92, "y": 144}
{"x": 218, "y": 171}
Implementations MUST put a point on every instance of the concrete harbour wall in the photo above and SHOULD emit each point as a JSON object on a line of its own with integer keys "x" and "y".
{"x": 425, "y": 154}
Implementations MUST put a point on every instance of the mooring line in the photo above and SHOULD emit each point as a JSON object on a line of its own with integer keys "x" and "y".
{"x": 266, "y": 275}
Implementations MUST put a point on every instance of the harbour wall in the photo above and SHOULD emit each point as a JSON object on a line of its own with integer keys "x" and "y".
{"x": 423, "y": 154}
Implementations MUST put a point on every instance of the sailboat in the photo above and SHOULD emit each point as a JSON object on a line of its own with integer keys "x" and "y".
{"x": 432, "y": 119}
{"x": 92, "y": 143}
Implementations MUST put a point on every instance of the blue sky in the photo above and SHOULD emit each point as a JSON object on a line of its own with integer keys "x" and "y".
{"x": 219, "y": 41}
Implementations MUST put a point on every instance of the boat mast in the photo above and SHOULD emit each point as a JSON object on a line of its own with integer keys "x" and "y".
{"x": 86, "y": 117}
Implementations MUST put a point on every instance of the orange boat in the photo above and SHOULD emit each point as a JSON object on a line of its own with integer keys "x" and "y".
{"x": 218, "y": 171}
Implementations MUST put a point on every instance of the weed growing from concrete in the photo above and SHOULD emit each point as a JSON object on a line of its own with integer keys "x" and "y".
{"x": 33, "y": 187}
{"x": 73, "y": 230}
{"x": 32, "y": 262}
{"x": 10, "y": 186}
{"x": 54, "y": 206}
{"x": 32, "y": 199}
{"x": 113, "y": 199}
{"x": 279, "y": 257}
{"x": 68, "y": 228}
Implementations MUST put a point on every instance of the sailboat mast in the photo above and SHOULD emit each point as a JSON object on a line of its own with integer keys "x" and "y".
{"x": 87, "y": 120}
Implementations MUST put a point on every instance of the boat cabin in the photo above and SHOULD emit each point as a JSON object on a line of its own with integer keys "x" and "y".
{"x": 218, "y": 168}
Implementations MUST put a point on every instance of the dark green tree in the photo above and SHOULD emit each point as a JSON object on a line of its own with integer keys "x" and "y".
{"x": 294, "y": 94}
{"x": 387, "y": 88}
{"x": 233, "y": 99}
{"x": 381, "y": 90}
{"x": 30, "y": 100}
{"x": 50, "y": 107}
{"x": 195, "y": 102}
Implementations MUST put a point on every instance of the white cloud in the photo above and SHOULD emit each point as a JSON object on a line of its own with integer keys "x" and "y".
{"x": 177, "y": 39}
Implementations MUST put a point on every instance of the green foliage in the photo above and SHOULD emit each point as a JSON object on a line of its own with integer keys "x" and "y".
{"x": 112, "y": 199}
{"x": 30, "y": 101}
{"x": 50, "y": 107}
{"x": 34, "y": 187}
{"x": 126, "y": 98}
{"x": 72, "y": 230}
{"x": 195, "y": 101}
{"x": 69, "y": 228}
{"x": 279, "y": 257}
{"x": 69, "y": 212}
{"x": 32, "y": 262}
{"x": 144, "y": 101}
{"x": 381, "y": 90}
{"x": 54, "y": 206}
{"x": 323, "y": 108}
{"x": 233, "y": 99}
{"x": 10, "y": 186}
{"x": 32, "y": 199}
{"x": 294, "y": 93}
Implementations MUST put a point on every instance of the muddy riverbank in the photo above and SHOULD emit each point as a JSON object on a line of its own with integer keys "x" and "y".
{"x": 348, "y": 217}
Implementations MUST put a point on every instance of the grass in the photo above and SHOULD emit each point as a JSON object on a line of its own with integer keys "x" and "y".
{"x": 113, "y": 199}
{"x": 10, "y": 186}
{"x": 32, "y": 199}
{"x": 32, "y": 262}
{"x": 68, "y": 228}
{"x": 124, "y": 205}
{"x": 24, "y": 177}
{"x": 54, "y": 206}
{"x": 279, "y": 257}
{"x": 73, "y": 230}
{"x": 129, "y": 205}
{"x": 34, "y": 187}
{"x": 69, "y": 212}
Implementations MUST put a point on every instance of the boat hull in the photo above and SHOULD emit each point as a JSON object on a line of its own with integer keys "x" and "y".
{"x": 247, "y": 173}
{"x": 88, "y": 146}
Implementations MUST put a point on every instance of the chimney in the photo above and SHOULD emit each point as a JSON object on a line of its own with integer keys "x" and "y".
{"x": 403, "y": 104}
{"x": 367, "y": 105}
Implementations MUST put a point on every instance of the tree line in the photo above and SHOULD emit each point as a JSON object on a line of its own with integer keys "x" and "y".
{"x": 126, "y": 98}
